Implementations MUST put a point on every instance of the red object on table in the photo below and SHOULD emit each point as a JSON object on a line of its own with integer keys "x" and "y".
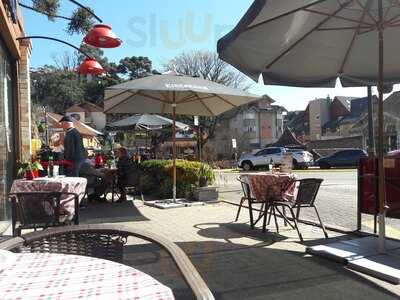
{"x": 98, "y": 161}
{"x": 29, "y": 175}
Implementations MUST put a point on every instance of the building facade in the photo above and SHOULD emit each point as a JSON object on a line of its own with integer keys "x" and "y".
{"x": 253, "y": 126}
{"x": 15, "y": 120}
{"x": 319, "y": 115}
{"x": 89, "y": 114}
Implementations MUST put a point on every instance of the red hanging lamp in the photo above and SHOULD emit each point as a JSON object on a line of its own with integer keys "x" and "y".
{"x": 90, "y": 66}
{"x": 102, "y": 36}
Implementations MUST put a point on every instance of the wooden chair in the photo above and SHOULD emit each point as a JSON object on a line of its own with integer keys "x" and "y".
{"x": 34, "y": 210}
{"x": 307, "y": 190}
{"x": 106, "y": 242}
{"x": 250, "y": 201}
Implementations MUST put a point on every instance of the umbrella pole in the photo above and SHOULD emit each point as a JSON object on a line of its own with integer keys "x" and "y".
{"x": 381, "y": 168}
{"x": 174, "y": 148}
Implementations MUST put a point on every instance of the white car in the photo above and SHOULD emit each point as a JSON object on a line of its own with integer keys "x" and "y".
{"x": 273, "y": 155}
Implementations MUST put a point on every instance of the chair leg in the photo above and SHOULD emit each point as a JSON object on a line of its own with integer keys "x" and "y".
{"x": 270, "y": 215}
{"x": 240, "y": 207}
{"x": 320, "y": 221}
{"x": 251, "y": 215}
{"x": 283, "y": 215}
{"x": 298, "y": 213}
{"x": 295, "y": 224}
{"x": 275, "y": 218}
{"x": 266, "y": 207}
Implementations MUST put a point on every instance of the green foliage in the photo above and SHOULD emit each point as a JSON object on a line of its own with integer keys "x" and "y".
{"x": 22, "y": 167}
{"x": 55, "y": 88}
{"x": 49, "y": 7}
{"x": 81, "y": 22}
{"x": 157, "y": 178}
{"x": 135, "y": 67}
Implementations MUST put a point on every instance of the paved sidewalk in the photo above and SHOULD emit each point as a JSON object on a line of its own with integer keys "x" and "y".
{"x": 237, "y": 262}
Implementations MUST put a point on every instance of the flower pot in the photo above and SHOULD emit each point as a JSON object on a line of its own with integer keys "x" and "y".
{"x": 203, "y": 182}
{"x": 35, "y": 173}
{"x": 29, "y": 175}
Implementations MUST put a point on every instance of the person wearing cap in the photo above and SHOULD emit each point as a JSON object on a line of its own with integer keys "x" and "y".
{"x": 74, "y": 151}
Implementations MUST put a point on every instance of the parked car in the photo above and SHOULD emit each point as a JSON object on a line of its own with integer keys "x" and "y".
{"x": 394, "y": 153}
{"x": 301, "y": 158}
{"x": 343, "y": 158}
{"x": 274, "y": 155}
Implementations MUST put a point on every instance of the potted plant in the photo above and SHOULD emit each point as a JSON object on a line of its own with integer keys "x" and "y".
{"x": 29, "y": 170}
{"x": 204, "y": 192}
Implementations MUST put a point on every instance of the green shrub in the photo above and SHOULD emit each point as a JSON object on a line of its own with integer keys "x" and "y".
{"x": 158, "y": 174}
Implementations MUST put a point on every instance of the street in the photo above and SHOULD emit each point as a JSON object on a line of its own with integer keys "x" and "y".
{"x": 336, "y": 200}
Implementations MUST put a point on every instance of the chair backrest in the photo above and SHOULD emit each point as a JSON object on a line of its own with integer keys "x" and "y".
{"x": 307, "y": 191}
{"x": 107, "y": 242}
{"x": 245, "y": 187}
{"x": 36, "y": 209}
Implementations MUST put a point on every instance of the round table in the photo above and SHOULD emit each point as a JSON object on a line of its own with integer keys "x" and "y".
{"x": 43, "y": 276}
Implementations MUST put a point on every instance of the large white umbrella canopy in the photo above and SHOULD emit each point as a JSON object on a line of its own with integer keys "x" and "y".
{"x": 171, "y": 93}
{"x": 311, "y": 43}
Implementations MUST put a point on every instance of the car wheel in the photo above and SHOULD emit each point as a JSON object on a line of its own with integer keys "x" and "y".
{"x": 247, "y": 166}
{"x": 295, "y": 164}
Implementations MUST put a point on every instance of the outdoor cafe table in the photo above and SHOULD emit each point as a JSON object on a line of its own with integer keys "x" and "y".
{"x": 271, "y": 186}
{"x": 75, "y": 185}
{"x": 43, "y": 276}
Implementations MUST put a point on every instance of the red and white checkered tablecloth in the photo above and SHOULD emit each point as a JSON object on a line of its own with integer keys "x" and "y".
{"x": 76, "y": 185}
{"x": 269, "y": 186}
{"x": 44, "y": 276}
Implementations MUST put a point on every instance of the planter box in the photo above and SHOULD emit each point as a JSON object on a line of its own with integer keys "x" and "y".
{"x": 206, "y": 194}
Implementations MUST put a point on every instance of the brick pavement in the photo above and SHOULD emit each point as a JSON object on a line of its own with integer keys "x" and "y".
{"x": 235, "y": 261}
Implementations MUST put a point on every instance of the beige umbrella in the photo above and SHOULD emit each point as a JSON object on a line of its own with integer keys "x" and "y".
{"x": 171, "y": 93}
{"x": 85, "y": 130}
{"x": 311, "y": 43}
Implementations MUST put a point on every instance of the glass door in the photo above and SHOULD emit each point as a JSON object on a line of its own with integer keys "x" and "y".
{"x": 7, "y": 145}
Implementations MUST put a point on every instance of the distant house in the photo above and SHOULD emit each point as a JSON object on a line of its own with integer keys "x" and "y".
{"x": 253, "y": 125}
{"x": 89, "y": 114}
{"x": 391, "y": 108}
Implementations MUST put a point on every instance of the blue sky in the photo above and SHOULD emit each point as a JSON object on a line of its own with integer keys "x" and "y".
{"x": 161, "y": 29}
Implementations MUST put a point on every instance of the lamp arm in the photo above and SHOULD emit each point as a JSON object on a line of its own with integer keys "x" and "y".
{"x": 42, "y": 12}
{"x": 56, "y": 40}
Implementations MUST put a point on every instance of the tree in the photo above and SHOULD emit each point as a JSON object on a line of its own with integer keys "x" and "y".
{"x": 80, "y": 20}
{"x": 206, "y": 65}
{"x": 55, "y": 88}
{"x": 135, "y": 67}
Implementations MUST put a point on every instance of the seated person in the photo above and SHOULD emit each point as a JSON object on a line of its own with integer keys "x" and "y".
{"x": 127, "y": 172}
{"x": 96, "y": 182}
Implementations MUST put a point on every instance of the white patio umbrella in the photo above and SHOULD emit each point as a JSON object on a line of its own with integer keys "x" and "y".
{"x": 171, "y": 93}
{"x": 311, "y": 43}
{"x": 146, "y": 121}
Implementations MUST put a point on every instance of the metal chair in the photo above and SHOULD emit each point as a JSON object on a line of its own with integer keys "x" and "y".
{"x": 33, "y": 210}
{"x": 307, "y": 190}
{"x": 250, "y": 201}
{"x": 106, "y": 242}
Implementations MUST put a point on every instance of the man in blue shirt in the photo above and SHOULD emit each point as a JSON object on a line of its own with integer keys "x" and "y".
{"x": 74, "y": 151}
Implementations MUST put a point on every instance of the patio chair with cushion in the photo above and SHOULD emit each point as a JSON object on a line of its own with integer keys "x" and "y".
{"x": 106, "y": 242}
{"x": 250, "y": 201}
{"x": 34, "y": 210}
{"x": 307, "y": 190}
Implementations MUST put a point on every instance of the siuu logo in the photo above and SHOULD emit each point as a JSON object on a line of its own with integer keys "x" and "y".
{"x": 153, "y": 32}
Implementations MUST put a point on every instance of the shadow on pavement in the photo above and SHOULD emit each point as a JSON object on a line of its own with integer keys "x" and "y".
{"x": 111, "y": 213}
